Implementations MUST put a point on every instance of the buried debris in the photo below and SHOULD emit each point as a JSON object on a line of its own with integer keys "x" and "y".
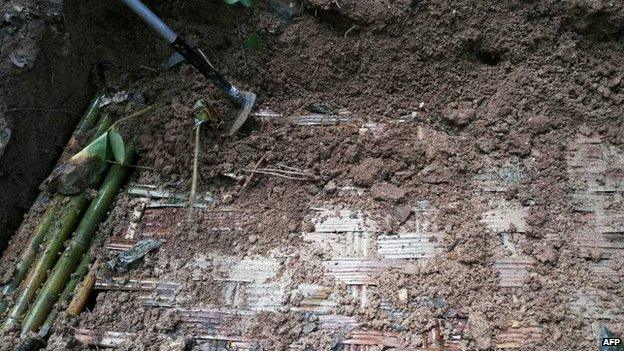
{"x": 81, "y": 242}
{"x": 160, "y": 198}
{"x": 124, "y": 261}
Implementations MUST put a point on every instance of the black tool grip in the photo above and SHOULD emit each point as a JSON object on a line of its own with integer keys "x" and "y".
{"x": 195, "y": 58}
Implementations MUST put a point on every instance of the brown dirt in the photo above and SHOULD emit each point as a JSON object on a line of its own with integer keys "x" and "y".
{"x": 484, "y": 86}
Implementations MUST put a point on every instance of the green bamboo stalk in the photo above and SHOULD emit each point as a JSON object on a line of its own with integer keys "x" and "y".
{"x": 75, "y": 279}
{"x": 68, "y": 215}
{"x": 28, "y": 255}
{"x": 38, "y": 236}
{"x": 57, "y": 280}
{"x": 87, "y": 123}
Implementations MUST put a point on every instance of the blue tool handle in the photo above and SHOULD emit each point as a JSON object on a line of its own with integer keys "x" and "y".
{"x": 152, "y": 20}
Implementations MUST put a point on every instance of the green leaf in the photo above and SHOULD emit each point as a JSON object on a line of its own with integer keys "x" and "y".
{"x": 201, "y": 113}
{"x": 117, "y": 145}
{"x": 253, "y": 42}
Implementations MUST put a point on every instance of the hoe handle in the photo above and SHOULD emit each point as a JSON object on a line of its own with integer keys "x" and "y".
{"x": 152, "y": 20}
{"x": 191, "y": 55}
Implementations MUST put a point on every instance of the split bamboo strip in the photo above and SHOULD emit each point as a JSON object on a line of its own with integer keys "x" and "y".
{"x": 83, "y": 236}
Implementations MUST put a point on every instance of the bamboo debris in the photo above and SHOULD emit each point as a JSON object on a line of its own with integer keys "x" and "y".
{"x": 68, "y": 215}
{"x": 78, "y": 303}
{"x": 86, "y": 124}
{"x": 83, "y": 236}
{"x": 31, "y": 250}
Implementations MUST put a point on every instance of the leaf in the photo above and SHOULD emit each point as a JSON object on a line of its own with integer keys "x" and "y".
{"x": 117, "y": 145}
{"x": 201, "y": 112}
{"x": 253, "y": 42}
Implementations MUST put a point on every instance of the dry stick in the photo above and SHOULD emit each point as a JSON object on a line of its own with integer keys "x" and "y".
{"x": 69, "y": 214}
{"x": 194, "y": 179}
{"x": 37, "y": 237}
{"x": 275, "y": 174}
{"x": 136, "y": 114}
{"x": 286, "y": 172}
{"x": 251, "y": 175}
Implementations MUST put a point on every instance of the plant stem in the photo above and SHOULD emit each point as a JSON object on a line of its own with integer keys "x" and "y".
{"x": 83, "y": 236}
{"x": 195, "y": 171}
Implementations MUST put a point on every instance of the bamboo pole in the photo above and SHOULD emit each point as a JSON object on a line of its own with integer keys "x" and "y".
{"x": 68, "y": 215}
{"x": 75, "y": 279}
{"x": 87, "y": 123}
{"x": 83, "y": 236}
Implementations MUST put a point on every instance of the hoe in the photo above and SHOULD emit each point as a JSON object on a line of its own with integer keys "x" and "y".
{"x": 245, "y": 100}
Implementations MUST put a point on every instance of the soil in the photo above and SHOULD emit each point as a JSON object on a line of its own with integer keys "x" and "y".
{"x": 438, "y": 94}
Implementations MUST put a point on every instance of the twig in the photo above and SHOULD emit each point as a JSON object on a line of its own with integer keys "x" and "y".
{"x": 286, "y": 172}
{"x": 250, "y": 177}
{"x": 295, "y": 169}
{"x": 275, "y": 174}
{"x": 147, "y": 68}
{"x": 350, "y": 30}
{"x": 15, "y": 178}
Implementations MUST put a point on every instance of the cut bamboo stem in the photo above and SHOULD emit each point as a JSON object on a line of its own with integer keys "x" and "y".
{"x": 68, "y": 215}
{"x": 76, "y": 278}
{"x": 83, "y": 236}
{"x": 79, "y": 301}
{"x": 86, "y": 124}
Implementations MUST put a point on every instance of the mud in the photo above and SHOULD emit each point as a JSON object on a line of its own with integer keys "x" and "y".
{"x": 492, "y": 133}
